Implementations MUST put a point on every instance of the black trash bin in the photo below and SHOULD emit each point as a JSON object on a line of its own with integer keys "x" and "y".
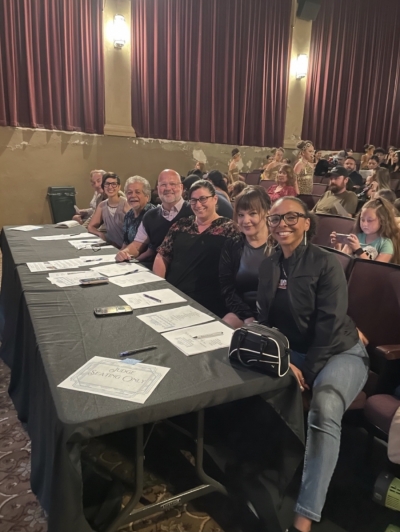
{"x": 62, "y": 201}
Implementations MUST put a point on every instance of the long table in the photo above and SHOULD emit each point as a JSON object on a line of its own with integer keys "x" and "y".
{"x": 49, "y": 332}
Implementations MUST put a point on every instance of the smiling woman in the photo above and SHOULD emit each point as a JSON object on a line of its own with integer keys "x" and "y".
{"x": 189, "y": 256}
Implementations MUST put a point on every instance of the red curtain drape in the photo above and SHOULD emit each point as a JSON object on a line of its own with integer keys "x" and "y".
{"x": 211, "y": 71}
{"x": 353, "y": 86}
{"x": 51, "y": 64}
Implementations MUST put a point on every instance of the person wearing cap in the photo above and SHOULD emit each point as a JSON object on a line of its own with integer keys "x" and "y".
{"x": 337, "y": 195}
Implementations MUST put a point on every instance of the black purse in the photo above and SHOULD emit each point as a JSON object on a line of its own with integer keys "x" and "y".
{"x": 260, "y": 347}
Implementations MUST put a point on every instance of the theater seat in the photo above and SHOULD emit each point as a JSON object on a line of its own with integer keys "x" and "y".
{"x": 253, "y": 178}
{"x": 267, "y": 183}
{"x": 379, "y": 411}
{"x": 309, "y": 199}
{"x": 319, "y": 189}
{"x": 345, "y": 260}
{"x": 328, "y": 223}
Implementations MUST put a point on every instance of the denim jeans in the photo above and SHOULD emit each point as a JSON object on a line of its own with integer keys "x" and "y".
{"x": 334, "y": 389}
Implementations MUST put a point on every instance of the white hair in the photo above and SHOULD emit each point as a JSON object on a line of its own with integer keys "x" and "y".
{"x": 101, "y": 172}
{"x": 139, "y": 179}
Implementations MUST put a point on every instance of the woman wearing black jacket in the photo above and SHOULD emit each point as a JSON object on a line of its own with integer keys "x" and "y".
{"x": 303, "y": 292}
{"x": 241, "y": 256}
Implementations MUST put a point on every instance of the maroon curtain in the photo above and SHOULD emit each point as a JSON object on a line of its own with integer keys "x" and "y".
{"x": 51, "y": 64}
{"x": 211, "y": 70}
{"x": 353, "y": 86}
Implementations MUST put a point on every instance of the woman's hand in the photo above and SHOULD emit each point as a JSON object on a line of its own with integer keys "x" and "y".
{"x": 122, "y": 255}
{"x": 249, "y": 320}
{"x": 333, "y": 238}
{"x": 353, "y": 242}
{"x": 300, "y": 378}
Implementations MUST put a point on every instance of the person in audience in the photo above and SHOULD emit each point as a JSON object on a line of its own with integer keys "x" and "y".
{"x": 321, "y": 165}
{"x": 380, "y": 179}
{"x": 199, "y": 169}
{"x": 395, "y": 167}
{"x": 376, "y": 237}
{"x": 373, "y": 162}
{"x": 236, "y": 189}
{"x": 337, "y": 193}
{"x": 96, "y": 177}
{"x": 390, "y": 196}
{"x": 302, "y": 292}
{"x": 355, "y": 178}
{"x": 233, "y": 168}
{"x": 286, "y": 184}
{"x": 304, "y": 168}
{"x": 241, "y": 257}
{"x": 224, "y": 207}
{"x": 389, "y": 158}
{"x": 369, "y": 151}
{"x": 271, "y": 170}
{"x": 340, "y": 158}
{"x": 138, "y": 193}
{"x": 381, "y": 154}
{"x": 187, "y": 183}
{"x": 188, "y": 258}
{"x": 157, "y": 222}
{"x": 110, "y": 212}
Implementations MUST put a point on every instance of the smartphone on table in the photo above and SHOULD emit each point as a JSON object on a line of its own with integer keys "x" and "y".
{"x": 113, "y": 311}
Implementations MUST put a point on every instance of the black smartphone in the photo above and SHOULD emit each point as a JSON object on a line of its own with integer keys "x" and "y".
{"x": 341, "y": 238}
{"x": 93, "y": 281}
{"x": 112, "y": 311}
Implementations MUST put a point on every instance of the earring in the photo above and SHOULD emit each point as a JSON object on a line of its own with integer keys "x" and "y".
{"x": 305, "y": 238}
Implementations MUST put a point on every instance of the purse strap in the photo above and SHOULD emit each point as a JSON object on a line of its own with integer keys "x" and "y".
{"x": 242, "y": 337}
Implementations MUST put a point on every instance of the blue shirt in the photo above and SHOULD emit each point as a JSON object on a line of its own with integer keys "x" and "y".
{"x": 131, "y": 223}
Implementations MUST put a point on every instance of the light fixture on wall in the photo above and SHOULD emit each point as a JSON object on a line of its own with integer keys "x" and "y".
{"x": 301, "y": 66}
{"x": 119, "y": 31}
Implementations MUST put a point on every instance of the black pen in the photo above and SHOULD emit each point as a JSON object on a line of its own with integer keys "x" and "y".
{"x": 121, "y": 274}
{"x": 152, "y": 298}
{"x": 92, "y": 260}
{"x": 138, "y": 350}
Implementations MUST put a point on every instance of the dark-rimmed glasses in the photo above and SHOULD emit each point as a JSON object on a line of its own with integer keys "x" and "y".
{"x": 202, "y": 200}
{"x": 112, "y": 184}
{"x": 290, "y": 218}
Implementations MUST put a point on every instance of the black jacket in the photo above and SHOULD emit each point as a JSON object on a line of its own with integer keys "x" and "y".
{"x": 228, "y": 267}
{"x": 317, "y": 292}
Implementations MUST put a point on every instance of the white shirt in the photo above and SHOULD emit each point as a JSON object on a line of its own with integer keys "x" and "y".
{"x": 142, "y": 236}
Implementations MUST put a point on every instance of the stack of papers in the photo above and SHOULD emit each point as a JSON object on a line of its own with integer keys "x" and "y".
{"x": 140, "y": 277}
{"x": 115, "y": 378}
{"x": 54, "y": 265}
{"x": 97, "y": 259}
{"x": 152, "y": 298}
{"x": 87, "y": 244}
{"x": 201, "y": 338}
{"x": 119, "y": 268}
{"x": 176, "y": 318}
{"x": 26, "y": 228}
{"x": 64, "y": 279}
{"x": 65, "y": 237}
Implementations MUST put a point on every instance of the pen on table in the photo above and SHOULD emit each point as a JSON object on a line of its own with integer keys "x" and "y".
{"x": 152, "y": 298}
{"x": 120, "y": 274}
{"x": 92, "y": 260}
{"x": 138, "y": 350}
{"x": 211, "y": 335}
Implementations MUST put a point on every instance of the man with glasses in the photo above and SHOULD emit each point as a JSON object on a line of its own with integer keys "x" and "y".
{"x": 337, "y": 200}
{"x": 156, "y": 223}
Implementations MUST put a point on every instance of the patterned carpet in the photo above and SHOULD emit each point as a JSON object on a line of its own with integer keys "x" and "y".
{"x": 19, "y": 508}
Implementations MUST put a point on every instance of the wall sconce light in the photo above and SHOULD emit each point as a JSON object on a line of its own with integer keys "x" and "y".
{"x": 301, "y": 66}
{"x": 119, "y": 31}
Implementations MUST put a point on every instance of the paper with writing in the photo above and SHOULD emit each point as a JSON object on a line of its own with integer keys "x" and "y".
{"x": 210, "y": 336}
{"x": 115, "y": 378}
{"x": 64, "y": 279}
{"x": 26, "y": 228}
{"x": 176, "y": 318}
{"x": 54, "y": 265}
{"x": 119, "y": 268}
{"x": 135, "y": 279}
{"x": 166, "y": 296}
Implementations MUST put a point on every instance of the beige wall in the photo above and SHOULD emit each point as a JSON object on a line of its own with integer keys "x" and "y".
{"x": 32, "y": 160}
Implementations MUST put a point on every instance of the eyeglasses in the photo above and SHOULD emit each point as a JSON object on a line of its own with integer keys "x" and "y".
{"x": 111, "y": 185}
{"x": 290, "y": 218}
{"x": 202, "y": 200}
{"x": 172, "y": 185}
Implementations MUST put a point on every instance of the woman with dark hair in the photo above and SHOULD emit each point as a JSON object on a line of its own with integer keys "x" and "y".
{"x": 395, "y": 167}
{"x": 110, "y": 212}
{"x": 224, "y": 207}
{"x": 189, "y": 256}
{"x": 286, "y": 184}
{"x": 303, "y": 292}
{"x": 369, "y": 151}
{"x": 304, "y": 168}
{"x": 199, "y": 169}
{"x": 236, "y": 189}
{"x": 380, "y": 180}
{"x": 241, "y": 257}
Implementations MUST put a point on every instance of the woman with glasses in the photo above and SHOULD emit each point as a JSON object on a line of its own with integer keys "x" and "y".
{"x": 189, "y": 256}
{"x": 303, "y": 292}
{"x": 110, "y": 212}
{"x": 241, "y": 256}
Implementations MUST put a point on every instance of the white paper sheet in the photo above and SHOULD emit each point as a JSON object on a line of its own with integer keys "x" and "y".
{"x": 80, "y": 236}
{"x": 55, "y": 265}
{"x": 119, "y": 268}
{"x": 68, "y": 224}
{"x": 165, "y": 296}
{"x": 135, "y": 279}
{"x": 176, "y": 318}
{"x": 115, "y": 378}
{"x": 65, "y": 279}
{"x": 85, "y": 244}
{"x": 26, "y": 228}
{"x": 97, "y": 259}
{"x": 209, "y": 337}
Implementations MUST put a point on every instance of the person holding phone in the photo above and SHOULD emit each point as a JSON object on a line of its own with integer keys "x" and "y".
{"x": 376, "y": 235}
{"x": 302, "y": 292}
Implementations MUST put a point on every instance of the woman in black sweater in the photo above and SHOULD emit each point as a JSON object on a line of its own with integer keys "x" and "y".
{"x": 241, "y": 256}
{"x": 302, "y": 292}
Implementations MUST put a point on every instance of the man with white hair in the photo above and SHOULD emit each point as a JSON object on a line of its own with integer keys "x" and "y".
{"x": 138, "y": 193}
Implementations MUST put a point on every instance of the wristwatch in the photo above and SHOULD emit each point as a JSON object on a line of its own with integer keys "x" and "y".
{"x": 358, "y": 252}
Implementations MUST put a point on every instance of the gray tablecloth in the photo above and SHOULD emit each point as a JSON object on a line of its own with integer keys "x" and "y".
{"x": 50, "y": 332}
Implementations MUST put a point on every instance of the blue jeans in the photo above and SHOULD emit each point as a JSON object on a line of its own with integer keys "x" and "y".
{"x": 334, "y": 389}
